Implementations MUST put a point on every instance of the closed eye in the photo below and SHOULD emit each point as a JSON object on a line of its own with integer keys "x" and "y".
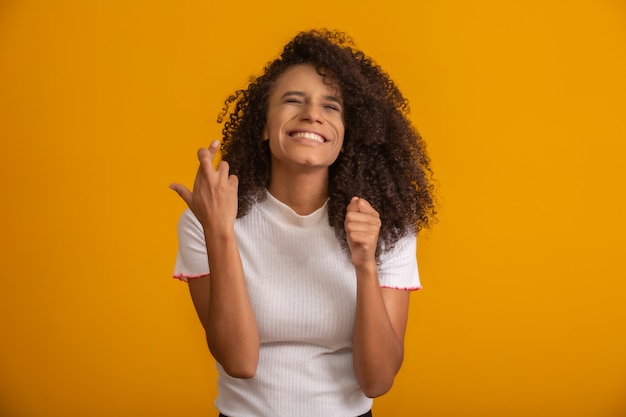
{"x": 296, "y": 97}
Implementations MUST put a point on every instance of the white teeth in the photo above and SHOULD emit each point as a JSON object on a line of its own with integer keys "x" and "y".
{"x": 308, "y": 136}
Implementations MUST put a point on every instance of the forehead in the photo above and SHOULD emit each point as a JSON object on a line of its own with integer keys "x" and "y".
{"x": 304, "y": 77}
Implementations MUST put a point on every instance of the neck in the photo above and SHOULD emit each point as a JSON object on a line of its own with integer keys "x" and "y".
{"x": 304, "y": 192}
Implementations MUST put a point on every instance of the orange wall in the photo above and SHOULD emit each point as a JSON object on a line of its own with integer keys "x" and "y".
{"x": 104, "y": 103}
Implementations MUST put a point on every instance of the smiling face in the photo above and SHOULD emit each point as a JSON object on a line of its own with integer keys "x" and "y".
{"x": 304, "y": 120}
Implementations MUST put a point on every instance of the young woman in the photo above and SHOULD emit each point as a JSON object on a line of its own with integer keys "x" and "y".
{"x": 300, "y": 247}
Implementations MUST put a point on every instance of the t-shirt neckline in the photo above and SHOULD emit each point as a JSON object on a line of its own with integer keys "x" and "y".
{"x": 280, "y": 211}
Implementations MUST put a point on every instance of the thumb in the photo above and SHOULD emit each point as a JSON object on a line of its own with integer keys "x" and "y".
{"x": 183, "y": 192}
{"x": 353, "y": 204}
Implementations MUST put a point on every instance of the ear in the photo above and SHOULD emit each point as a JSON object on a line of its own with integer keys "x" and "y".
{"x": 266, "y": 135}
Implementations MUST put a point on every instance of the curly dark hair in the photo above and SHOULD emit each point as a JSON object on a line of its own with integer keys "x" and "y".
{"x": 384, "y": 159}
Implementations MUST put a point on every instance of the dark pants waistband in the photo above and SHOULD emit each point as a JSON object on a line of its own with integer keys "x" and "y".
{"x": 368, "y": 414}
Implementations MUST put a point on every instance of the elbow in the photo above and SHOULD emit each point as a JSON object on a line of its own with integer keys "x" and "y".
{"x": 378, "y": 381}
{"x": 239, "y": 362}
{"x": 239, "y": 366}
{"x": 241, "y": 371}
{"x": 376, "y": 388}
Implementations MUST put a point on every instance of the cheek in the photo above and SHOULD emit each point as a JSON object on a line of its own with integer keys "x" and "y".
{"x": 340, "y": 127}
{"x": 341, "y": 133}
{"x": 269, "y": 131}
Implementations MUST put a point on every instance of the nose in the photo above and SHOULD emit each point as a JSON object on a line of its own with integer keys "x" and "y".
{"x": 311, "y": 113}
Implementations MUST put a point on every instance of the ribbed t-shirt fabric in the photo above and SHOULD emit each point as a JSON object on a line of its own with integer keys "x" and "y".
{"x": 302, "y": 287}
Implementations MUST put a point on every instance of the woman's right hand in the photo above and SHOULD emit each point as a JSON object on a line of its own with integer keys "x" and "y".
{"x": 222, "y": 300}
{"x": 214, "y": 197}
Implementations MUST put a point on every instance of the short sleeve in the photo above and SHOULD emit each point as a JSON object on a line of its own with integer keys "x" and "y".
{"x": 191, "y": 260}
{"x": 398, "y": 266}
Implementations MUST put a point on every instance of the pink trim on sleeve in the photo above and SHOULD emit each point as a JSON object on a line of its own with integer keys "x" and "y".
{"x": 402, "y": 288}
{"x": 184, "y": 278}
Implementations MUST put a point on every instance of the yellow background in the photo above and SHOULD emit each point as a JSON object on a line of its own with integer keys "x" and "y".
{"x": 104, "y": 103}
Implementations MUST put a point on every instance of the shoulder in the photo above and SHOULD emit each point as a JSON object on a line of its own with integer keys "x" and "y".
{"x": 406, "y": 246}
{"x": 189, "y": 227}
{"x": 398, "y": 265}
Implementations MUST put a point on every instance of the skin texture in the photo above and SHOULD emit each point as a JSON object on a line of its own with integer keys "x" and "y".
{"x": 298, "y": 142}
{"x": 383, "y": 158}
{"x": 301, "y": 104}
{"x": 221, "y": 300}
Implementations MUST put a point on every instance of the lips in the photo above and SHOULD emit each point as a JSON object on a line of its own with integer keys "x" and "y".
{"x": 313, "y": 137}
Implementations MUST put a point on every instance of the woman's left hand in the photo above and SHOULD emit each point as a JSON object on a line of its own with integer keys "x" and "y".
{"x": 362, "y": 226}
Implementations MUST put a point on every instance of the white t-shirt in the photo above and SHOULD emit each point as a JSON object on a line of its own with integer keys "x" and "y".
{"x": 302, "y": 287}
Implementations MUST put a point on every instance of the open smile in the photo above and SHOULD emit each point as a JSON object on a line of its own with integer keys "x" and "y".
{"x": 313, "y": 137}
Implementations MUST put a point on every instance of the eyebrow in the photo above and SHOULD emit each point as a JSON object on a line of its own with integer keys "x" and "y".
{"x": 301, "y": 94}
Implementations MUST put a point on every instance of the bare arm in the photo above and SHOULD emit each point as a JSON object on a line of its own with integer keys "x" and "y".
{"x": 221, "y": 299}
{"x": 381, "y": 314}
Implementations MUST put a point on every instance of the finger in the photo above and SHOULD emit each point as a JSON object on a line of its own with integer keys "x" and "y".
{"x": 357, "y": 228}
{"x": 359, "y": 222}
{"x": 362, "y": 223}
{"x": 213, "y": 147}
{"x": 234, "y": 181}
{"x": 183, "y": 192}
{"x": 223, "y": 169}
{"x": 361, "y": 205}
{"x": 355, "y": 217}
{"x": 207, "y": 155}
